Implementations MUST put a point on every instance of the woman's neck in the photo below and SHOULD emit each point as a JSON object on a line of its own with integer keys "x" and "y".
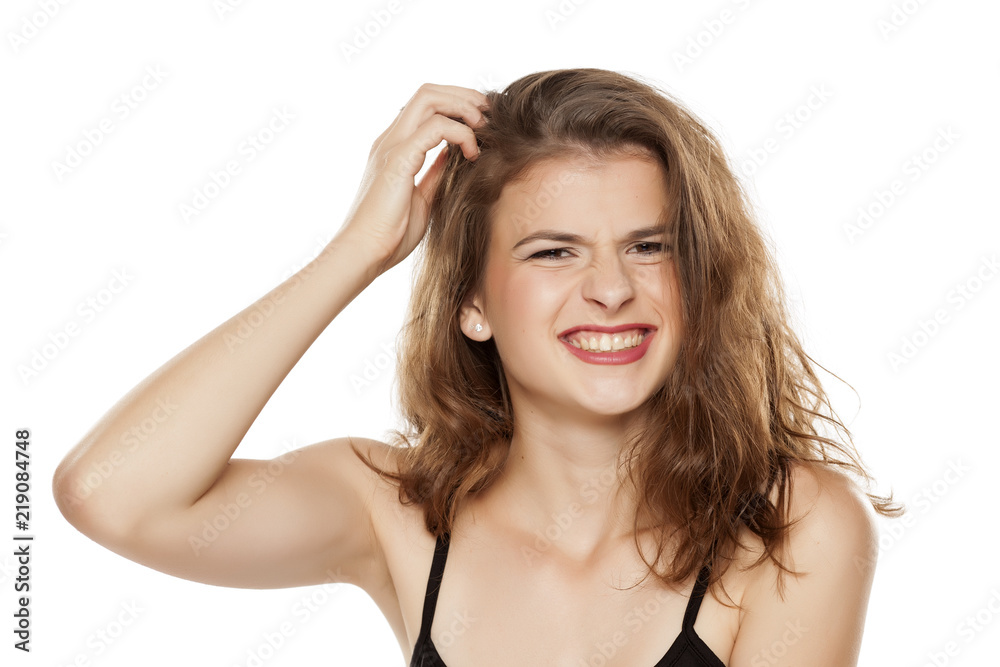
{"x": 568, "y": 493}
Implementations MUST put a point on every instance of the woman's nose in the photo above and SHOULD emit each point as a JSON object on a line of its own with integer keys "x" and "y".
{"x": 608, "y": 282}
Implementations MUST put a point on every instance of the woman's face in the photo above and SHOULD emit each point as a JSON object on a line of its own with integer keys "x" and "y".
{"x": 573, "y": 246}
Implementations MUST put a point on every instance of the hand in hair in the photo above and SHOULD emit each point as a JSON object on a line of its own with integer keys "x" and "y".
{"x": 389, "y": 214}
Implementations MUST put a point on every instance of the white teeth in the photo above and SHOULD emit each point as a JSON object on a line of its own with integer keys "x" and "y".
{"x": 607, "y": 342}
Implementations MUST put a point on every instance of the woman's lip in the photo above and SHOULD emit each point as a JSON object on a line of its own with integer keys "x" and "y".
{"x": 626, "y": 356}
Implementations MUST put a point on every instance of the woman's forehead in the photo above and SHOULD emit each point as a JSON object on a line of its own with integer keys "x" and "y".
{"x": 564, "y": 191}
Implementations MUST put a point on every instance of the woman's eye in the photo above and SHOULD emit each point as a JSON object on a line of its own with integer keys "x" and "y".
{"x": 646, "y": 248}
{"x": 547, "y": 254}
{"x": 657, "y": 247}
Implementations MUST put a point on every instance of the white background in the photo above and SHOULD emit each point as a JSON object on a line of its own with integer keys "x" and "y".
{"x": 887, "y": 95}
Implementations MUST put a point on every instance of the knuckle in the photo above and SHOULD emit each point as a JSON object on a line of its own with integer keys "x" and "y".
{"x": 474, "y": 110}
{"x": 470, "y": 137}
{"x": 388, "y": 157}
{"x": 396, "y": 161}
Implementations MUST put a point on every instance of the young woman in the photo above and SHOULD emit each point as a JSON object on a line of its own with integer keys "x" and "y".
{"x": 608, "y": 413}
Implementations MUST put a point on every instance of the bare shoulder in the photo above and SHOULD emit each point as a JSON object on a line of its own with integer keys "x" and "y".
{"x": 834, "y": 515}
{"x": 382, "y": 492}
{"x": 371, "y": 484}
{"x": 335, "y": 461}
{"x": 817, "y": 615}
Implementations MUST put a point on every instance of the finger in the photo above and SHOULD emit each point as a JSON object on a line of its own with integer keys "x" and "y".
{"x": 457, "y": 94}
{"x": 405, "y": 159}
{"x": 421, "y": 201}
{"x": 454, "y": 102}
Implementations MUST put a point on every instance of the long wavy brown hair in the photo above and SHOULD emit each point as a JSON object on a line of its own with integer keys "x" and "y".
{"x": 742, "y": 402}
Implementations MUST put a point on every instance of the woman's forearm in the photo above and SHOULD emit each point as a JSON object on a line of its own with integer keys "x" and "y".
{"x": 164, "y": 444}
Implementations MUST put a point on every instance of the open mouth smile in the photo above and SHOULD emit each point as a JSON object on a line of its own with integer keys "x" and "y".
{"x": 608, "y": 345}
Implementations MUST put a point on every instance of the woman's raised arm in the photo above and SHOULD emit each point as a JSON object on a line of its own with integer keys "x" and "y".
{"x": 170, "y": 497}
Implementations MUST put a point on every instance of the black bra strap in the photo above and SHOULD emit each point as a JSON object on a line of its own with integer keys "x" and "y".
{"x": 694, "y": 603}
{"x": 434, "y": 585}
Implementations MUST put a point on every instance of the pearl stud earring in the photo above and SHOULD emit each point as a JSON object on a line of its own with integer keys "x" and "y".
{"x": 479, "y": 327}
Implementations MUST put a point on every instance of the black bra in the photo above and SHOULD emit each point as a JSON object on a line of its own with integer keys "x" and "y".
{"x": 688, "y": 649}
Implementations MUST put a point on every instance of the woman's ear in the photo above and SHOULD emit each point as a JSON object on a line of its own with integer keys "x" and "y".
{"x": 473, "y": 319}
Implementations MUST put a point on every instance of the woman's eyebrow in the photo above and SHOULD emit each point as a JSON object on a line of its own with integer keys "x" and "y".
{"x": 567, "y": 237}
